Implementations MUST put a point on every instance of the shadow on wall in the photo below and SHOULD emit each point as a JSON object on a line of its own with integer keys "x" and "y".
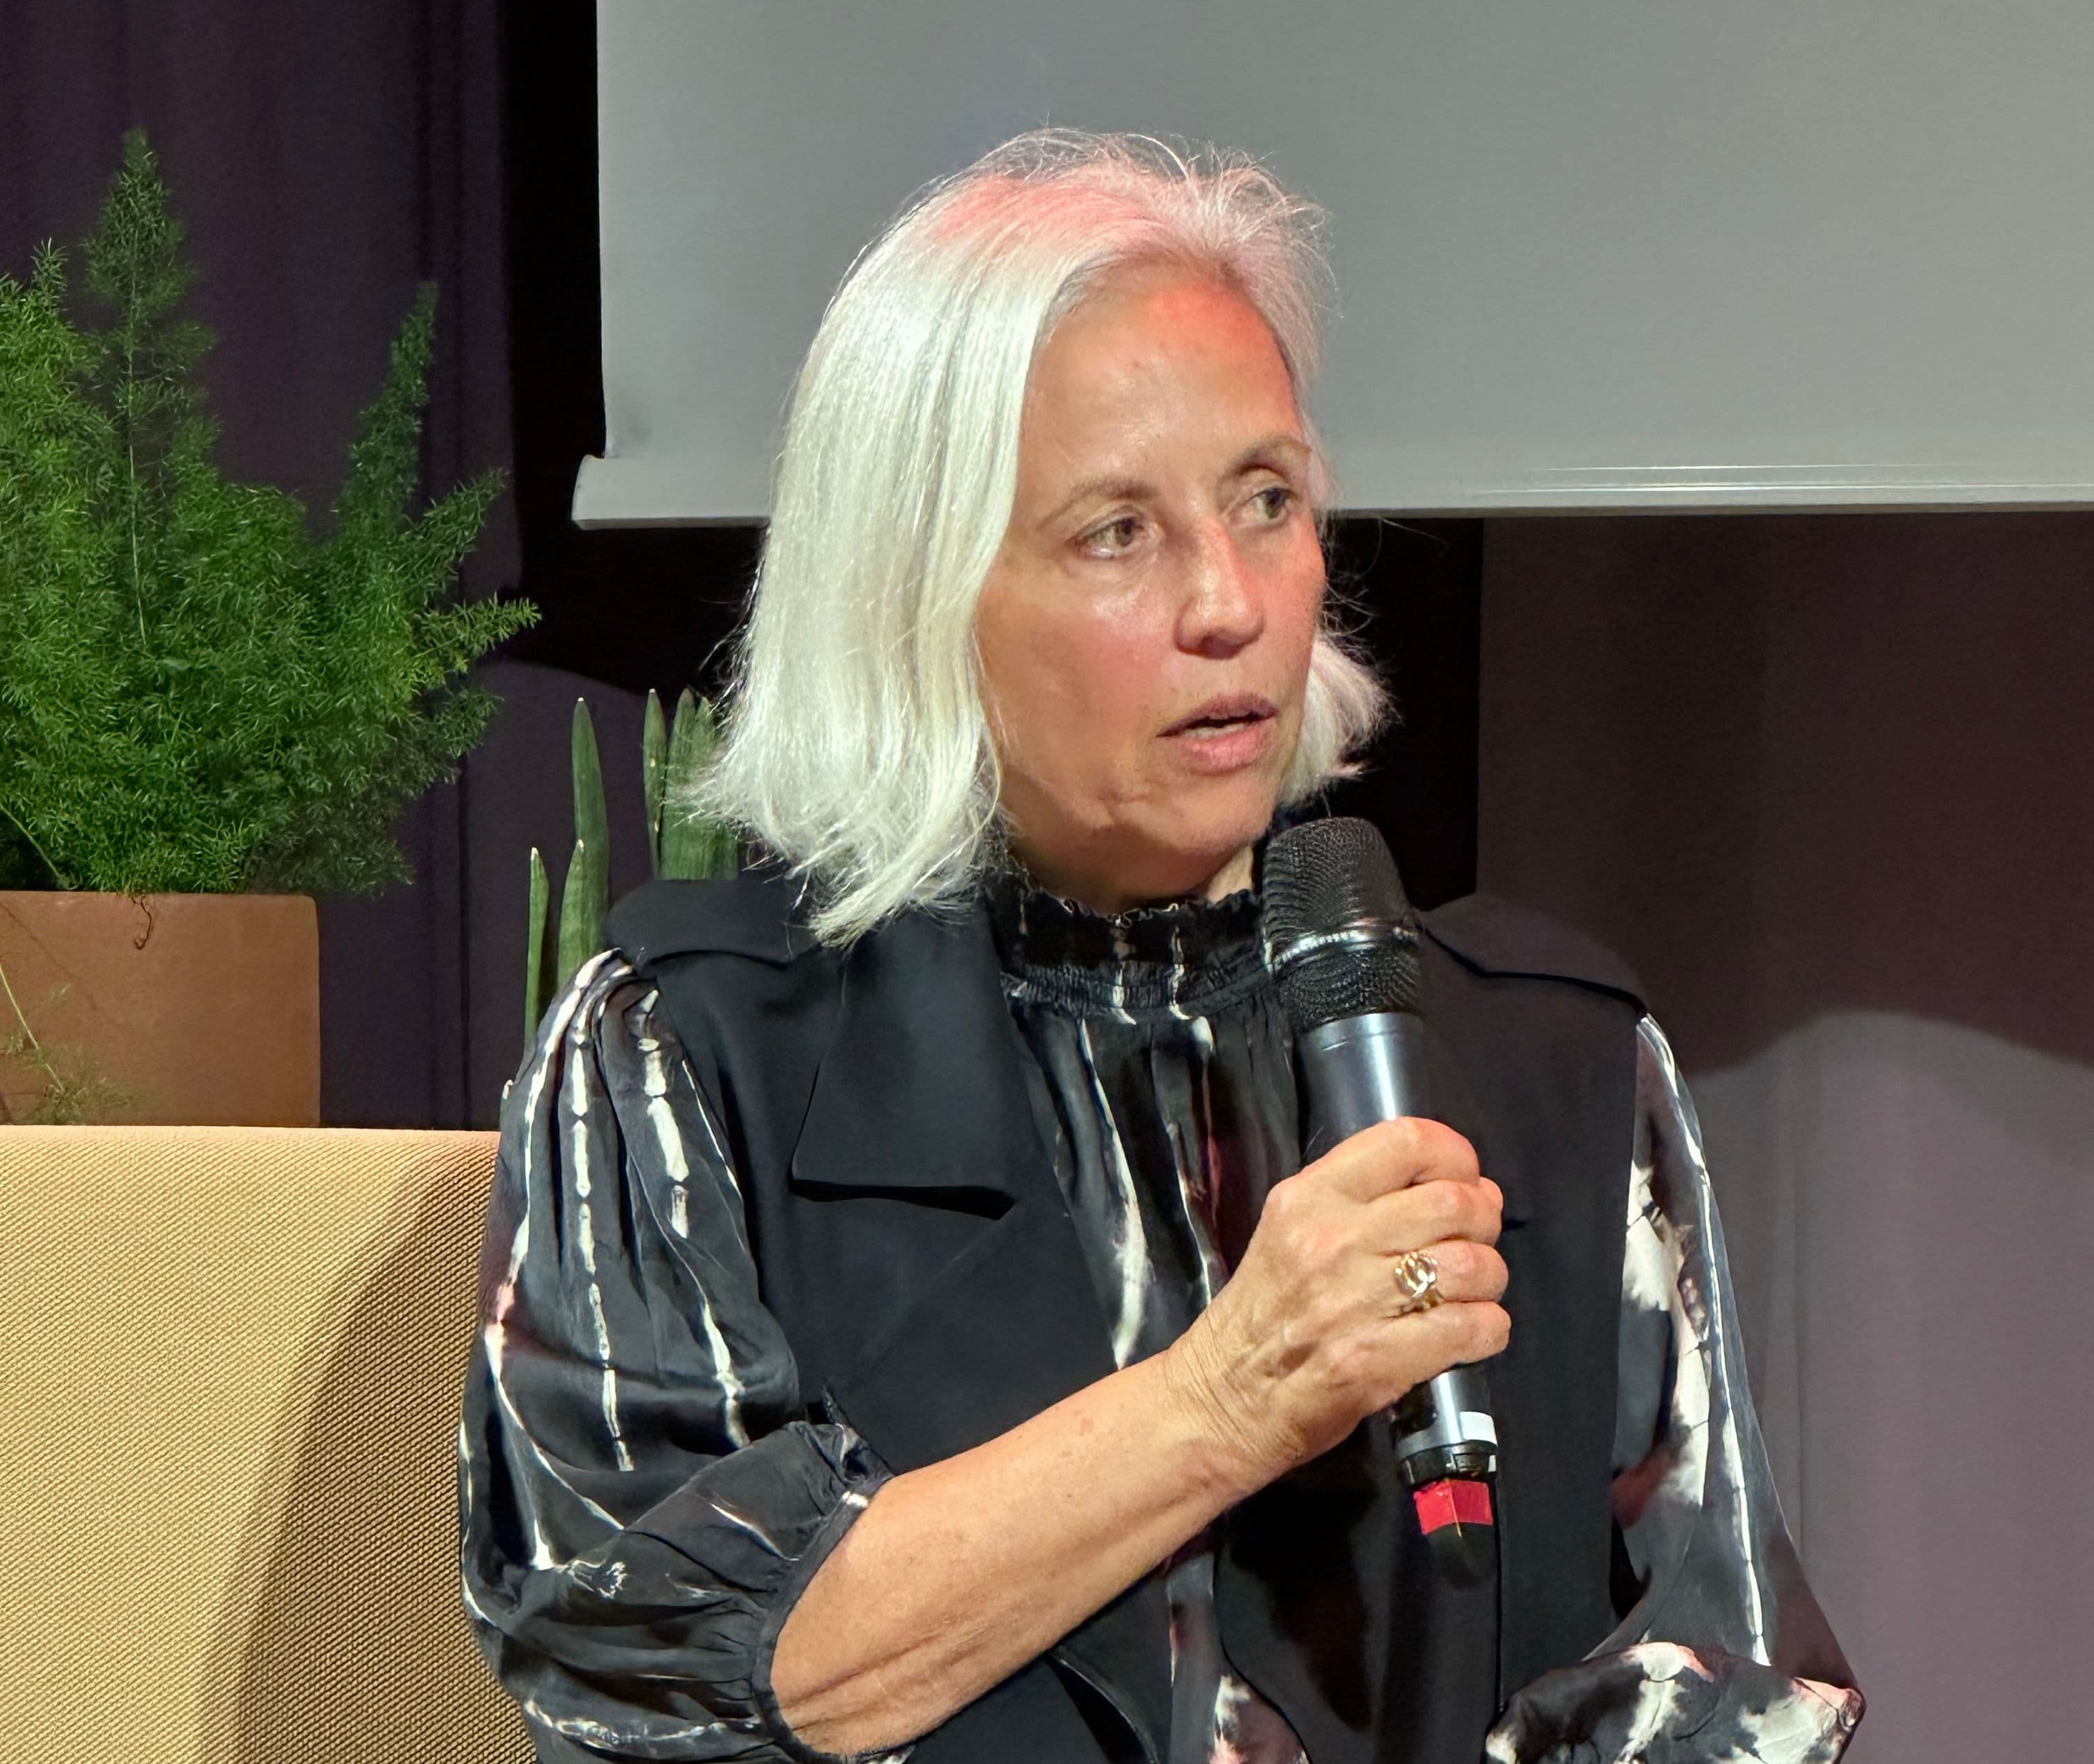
{"x": 1896, "y": 1189}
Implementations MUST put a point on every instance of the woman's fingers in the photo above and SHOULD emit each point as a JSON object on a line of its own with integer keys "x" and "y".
{"x": 1446, "y": 1335}
{"x": 1394, "y": 1155}
{"x": 1422, "y": 1215}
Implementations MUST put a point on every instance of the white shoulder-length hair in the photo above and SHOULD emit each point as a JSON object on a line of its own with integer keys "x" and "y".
{"x": 856, "y": 746}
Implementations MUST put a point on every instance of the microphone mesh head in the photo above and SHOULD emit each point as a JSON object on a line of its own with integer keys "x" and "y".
{"x": 1339, "y": 936}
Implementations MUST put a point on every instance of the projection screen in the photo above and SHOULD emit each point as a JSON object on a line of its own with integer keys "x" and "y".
{"x": 1611, "y": 254}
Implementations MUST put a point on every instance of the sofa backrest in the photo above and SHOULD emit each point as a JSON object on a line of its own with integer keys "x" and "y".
{"x": 233, "y": 1361}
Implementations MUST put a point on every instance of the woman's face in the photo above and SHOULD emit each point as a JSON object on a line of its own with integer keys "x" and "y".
{"x": 1144, "y": 633}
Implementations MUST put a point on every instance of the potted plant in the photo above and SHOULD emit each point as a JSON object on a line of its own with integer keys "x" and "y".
{"x": 209, "y": 713}
{"x": 681, "y": 845}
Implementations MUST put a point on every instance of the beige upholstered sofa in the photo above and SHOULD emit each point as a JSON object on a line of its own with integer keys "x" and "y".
{"x": 232, "y": 1365}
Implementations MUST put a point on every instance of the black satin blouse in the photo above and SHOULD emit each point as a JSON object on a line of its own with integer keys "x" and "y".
{"x": 645, "y": 1493}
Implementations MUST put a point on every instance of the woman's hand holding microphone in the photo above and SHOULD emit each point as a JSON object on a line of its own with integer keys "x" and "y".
{"x": 1310, "y": 1333}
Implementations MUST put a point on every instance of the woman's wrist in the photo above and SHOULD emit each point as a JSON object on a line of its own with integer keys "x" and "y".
{"x": 1230, "y": 1452}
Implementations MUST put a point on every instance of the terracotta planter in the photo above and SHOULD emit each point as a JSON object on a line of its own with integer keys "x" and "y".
{"x": 203, "y": 1009}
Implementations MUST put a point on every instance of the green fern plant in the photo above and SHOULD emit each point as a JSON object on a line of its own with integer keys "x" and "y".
{"x": 75, "y": 1089}
{"x": 681, "y": 846}
{"x": 197, "y": 692}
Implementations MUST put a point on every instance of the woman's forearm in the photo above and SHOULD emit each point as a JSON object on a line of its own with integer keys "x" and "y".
{"x": 957, "y": 1574}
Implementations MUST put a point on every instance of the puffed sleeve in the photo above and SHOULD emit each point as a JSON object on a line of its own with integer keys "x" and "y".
{"x": 642, "y": 1494}
{"x": 1725, "y": 1654}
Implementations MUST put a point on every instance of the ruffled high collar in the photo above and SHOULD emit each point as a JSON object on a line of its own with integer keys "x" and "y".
{"x": 1181, "y": 958}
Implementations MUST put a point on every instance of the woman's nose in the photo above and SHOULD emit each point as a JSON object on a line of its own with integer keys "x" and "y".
{"x": 1223, "y": 609}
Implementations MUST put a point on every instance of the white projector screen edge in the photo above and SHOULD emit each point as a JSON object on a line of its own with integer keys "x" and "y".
{"x": 690, "y": 492}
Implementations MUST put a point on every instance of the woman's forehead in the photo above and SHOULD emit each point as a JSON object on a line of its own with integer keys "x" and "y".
{"x": 1165, "y": 360}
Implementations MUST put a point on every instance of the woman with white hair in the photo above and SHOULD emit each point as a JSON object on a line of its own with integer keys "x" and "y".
{"x": 909, "y": 1327}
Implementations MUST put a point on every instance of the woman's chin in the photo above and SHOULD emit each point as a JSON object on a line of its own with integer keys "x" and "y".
{"x": 1209, "y": 850}
{"x": 1227, "y": 813}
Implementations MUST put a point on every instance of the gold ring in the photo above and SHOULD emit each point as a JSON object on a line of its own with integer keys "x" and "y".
{"x": 1417, "y": 1281}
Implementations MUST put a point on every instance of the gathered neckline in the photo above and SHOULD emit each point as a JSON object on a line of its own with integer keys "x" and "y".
{"x": 1175, "y": 958}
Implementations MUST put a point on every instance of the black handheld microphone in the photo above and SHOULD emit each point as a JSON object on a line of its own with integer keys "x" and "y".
{"x": 1342, "y": 942}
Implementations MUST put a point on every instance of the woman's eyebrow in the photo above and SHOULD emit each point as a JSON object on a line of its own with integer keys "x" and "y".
{"x": 1280, "y": 442}
{"x": 1108, "y": 487}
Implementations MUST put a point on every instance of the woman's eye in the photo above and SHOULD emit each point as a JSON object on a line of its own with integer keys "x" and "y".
{"x": 1113, "y": 537}
{"x": 1274, "y": 501}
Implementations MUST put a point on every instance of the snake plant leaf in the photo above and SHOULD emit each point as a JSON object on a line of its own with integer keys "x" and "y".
{"x": 592, "y": 818}
{"x": 585, "y": 899}
{"x": 653, "y": 769}
{"x": 693, "y": 847}
{"x": 540, "y": 956}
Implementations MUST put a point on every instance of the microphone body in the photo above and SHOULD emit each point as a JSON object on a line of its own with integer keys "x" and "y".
{"x": 1342, "y": 941}
{"x": 1358, "y": 1070}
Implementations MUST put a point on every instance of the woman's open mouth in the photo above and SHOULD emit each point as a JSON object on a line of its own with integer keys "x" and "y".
{"x": 1225, "y": 733}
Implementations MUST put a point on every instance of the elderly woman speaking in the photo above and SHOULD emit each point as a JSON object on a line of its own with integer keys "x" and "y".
{"x": 910, "y": 1328}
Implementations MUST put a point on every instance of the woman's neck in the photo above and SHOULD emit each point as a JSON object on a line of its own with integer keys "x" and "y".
{"x": 1232, "y": 878}
{"x": 1105, "y": 893}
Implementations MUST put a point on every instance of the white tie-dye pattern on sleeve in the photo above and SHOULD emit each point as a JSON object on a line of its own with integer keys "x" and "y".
{"x": 640, "y": 1488}
{"x": 1716, "y": 1659}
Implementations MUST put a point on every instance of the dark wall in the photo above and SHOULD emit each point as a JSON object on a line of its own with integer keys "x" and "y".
{"x": 325, "y": 158}
{"x": 1825, "y": 781}
{"x": 1851, "y": 752}
{"x": 635, "y": 607}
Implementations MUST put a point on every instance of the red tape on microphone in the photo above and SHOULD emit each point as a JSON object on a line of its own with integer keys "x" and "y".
{"x": 1457, "y": 1501}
